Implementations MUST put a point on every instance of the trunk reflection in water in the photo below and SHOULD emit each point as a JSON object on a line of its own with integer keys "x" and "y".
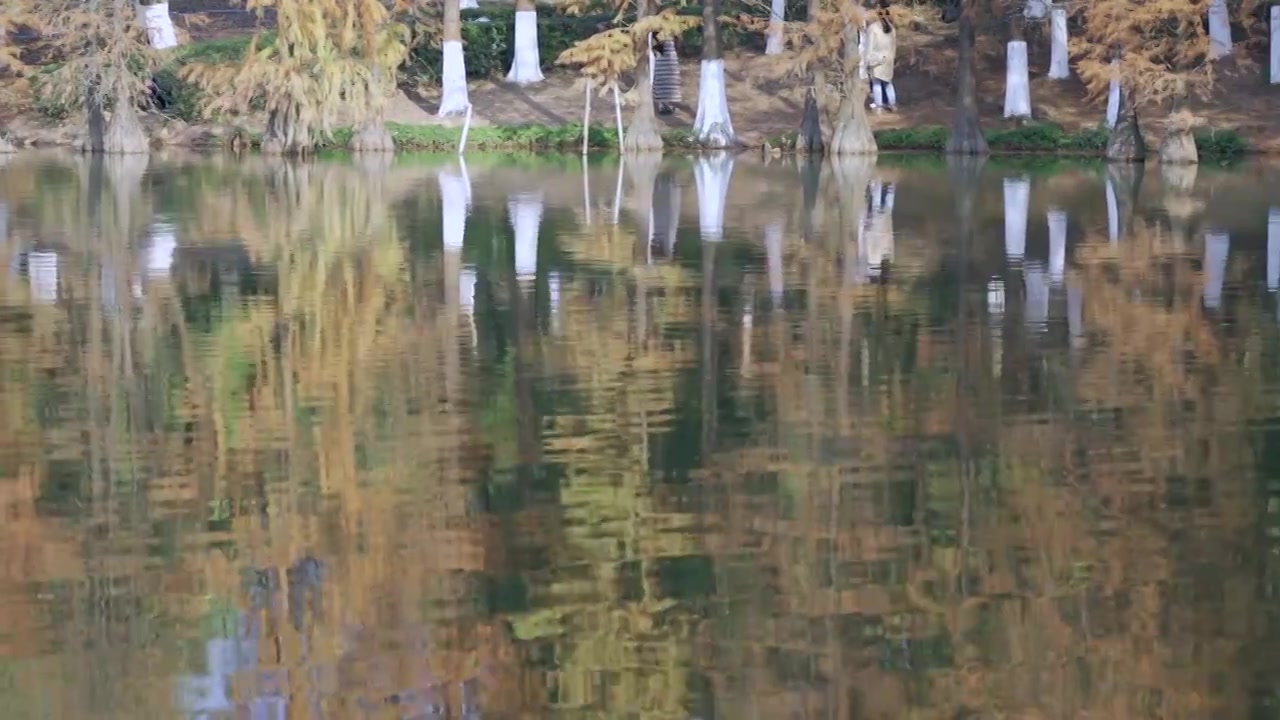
{"x": 428, "y": 440}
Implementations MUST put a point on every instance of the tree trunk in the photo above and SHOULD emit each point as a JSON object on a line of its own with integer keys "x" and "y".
{"x": 712, "y": 125}
{"x": 1125, "y": 143}
{"x": 453, "y": 78}
{"x": 642, "y": 135}
{"x": 526, "y": 63}
{"x": 1219, "y": 30}
{"x": 711, "y": 174}
{"x": 373, "y": 135}
{"x": 287, "y": 133}
{"x": 124, "y": 133}
{"x": 1017, "y": 83}
{"x": 966, "y": 131}
{"x": 852, "y": 134}
{"x": 1179, "y": 148}
{"x": 809, "y": 140}
{"x": 776, "y": 39}
{"x": 1059, "y": 58}
{"x": 1124, "y": 184}
{"x": 155, "y": 19}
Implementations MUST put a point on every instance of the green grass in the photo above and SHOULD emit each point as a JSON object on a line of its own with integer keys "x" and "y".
{"x": 437, "y": 138}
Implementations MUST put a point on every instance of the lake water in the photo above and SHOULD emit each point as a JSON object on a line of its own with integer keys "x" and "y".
{"x": 709, "y": 438}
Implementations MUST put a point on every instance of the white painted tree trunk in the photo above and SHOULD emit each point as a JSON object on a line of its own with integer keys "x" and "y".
{"x": 162, "y": 242}
{"x": 525, "y": 210}
{"x": 1037, "y": 284}
{"x": 158, "y": 23}
{"x": 776, "y": 42}
{"x": 773, "y": 258}
{"x": 1275, "y": 44}
{"x": 712, "y": 125}
{"x": 455, "y": 205}
{"x": 1273, "y": 249}
{"x": 468, "y": 5}
{"x": 453, "y": 80}
{"x": 1017, "y": 201}
{"x": 1059, "y": 60}
{"x": 1219, "y": 29}
{"x": 1113, "y": 212}
{"x": 1057, "y": 245}
{"x": 1075, "y": 314}
{"x": 995, "y": 314}
{"x": 42, "y": 277}
{"x": 553, "y": 300}
{"x": 526, "y": 65}
{"x": 1113, "y": 95}
{"x": 1217, "y": 246}
{"x": 1017, "y": 83}
{"x": 711, "y": 174}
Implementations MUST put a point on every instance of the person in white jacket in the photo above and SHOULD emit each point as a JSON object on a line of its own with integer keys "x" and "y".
{"x": 881, "y": 49}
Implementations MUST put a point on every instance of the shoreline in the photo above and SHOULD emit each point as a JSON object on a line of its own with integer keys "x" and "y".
{"x": 1034, "y": 139}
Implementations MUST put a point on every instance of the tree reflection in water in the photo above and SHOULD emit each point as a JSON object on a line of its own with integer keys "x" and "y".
{"x": 433, "y": 441}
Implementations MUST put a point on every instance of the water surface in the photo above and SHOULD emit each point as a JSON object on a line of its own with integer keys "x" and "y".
{"x": 706, "y": 438}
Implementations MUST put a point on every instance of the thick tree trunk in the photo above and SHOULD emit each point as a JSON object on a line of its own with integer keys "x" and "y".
{"x": 642, "y": 134}
{"x": 852, "y": 134}
{"x": 966, "y": 132}
{"x": 1125, "y": 143}
{"x": 124, "y": 133}
{"x": 711, "y": 175}
{"x": 1017, "y": 202}
{"x": 712, "y": 125}
{"x": 1059, "y": 58}
{"x": 287, "y": 133}
{"x": 776, "y": 40}
{"x": 1179, "y": 145}
{"x": 526, "y": 64}
{"x": 525, "y": 212}
{"x": 1017, "y": 82}
{"x": 453, "y": 78}
{"x": 373, "y": 135}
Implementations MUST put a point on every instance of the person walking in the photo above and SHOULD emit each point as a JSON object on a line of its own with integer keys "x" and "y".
{"x": 882, "y": 47}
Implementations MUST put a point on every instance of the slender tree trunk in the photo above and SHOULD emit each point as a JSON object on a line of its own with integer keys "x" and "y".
{"x": 642, "y": 135}
{"x": 966, "y": 131}
{"x": 453, "y": 86}
{"x": 776, "y": 39}
{"x": 809, "y": 140}
{"x": 526, "y": 64}
{"x": 712, "y": 125}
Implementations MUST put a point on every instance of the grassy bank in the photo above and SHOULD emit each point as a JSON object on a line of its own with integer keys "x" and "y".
{"x": 1033, "y": 139}
{"x": 1039, "y": 139}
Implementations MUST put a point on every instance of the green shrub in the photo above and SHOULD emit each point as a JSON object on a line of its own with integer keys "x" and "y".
{"x": 924, "y": 137}
{"x": 1220, "y": 145}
